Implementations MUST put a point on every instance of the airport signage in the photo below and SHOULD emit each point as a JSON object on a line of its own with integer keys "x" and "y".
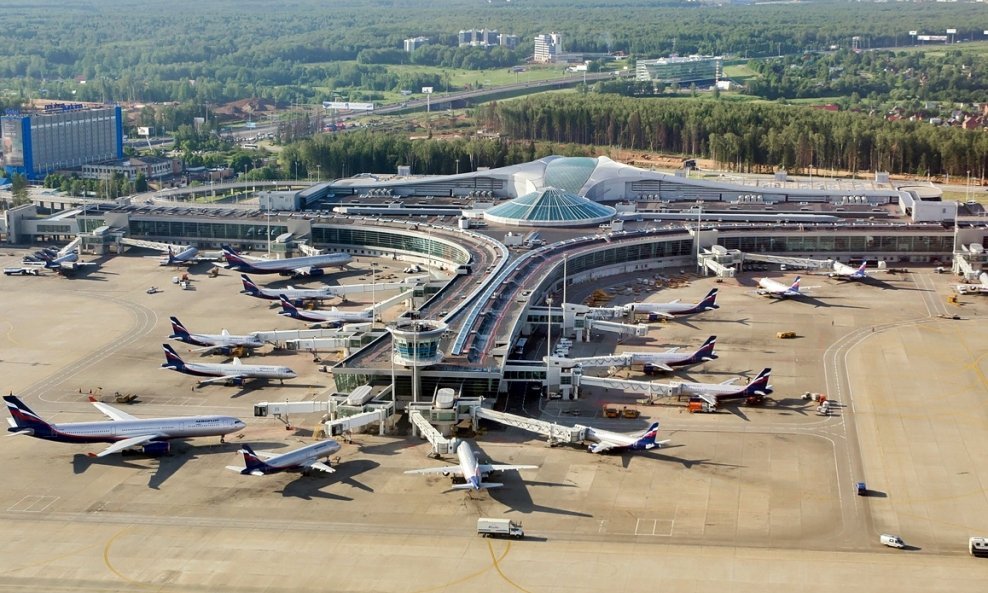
{"x": 347, "y": 106}
{"x": 427, "y": 90}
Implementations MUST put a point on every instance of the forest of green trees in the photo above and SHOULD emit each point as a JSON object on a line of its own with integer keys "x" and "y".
{"x": 225, "y": 50}
{"x": 743, "y": 135}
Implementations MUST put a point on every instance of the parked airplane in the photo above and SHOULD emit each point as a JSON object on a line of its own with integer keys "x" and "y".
{"x": 846, "y": 272}
{"x": 714, "y": 393}
{"x": 310, "y": 265}
{"x": 331, "y": 317}
{"x": 151, "y": 435}
{"x": 235, "y": 372}
{"x": 672, "y": 308}
{"x": 606, "y": 441}
{"x": 774, "y": 288}
{"x": 223, "y": 341}
{"x": 303, "y": 459}
{"x": 296, "y": 295}
{"x": 665, "y": 361}
{"x": 981, "y": 288}
{"x": 179, "y": 255}
{"x": 473, "y": 473}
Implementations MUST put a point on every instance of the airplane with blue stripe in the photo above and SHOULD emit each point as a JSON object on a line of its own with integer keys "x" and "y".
{"x": 309, "y": 265}
{"x": 150, "y": 435}
{"x": 677, "y": 308}
{"x": 304, "y": 459}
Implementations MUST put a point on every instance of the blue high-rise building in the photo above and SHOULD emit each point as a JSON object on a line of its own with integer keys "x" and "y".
{"x": 62, "y": 136}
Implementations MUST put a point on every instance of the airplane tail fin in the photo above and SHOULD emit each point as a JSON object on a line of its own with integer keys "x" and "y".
{"x": 706, "y": 351}
{"x": 759, "y": 385}
{"x": 22, "y": 419}
{"x": 795, "y": 285}
{"x": 172, "y": 359}
{"x": 249, "y": 286}
{"x": 252, "y": 463}
{"x": 861, "y": 268}
{"x": 287, "y": 307}
{"x": 647, "y": 438}
{"x": 231, "y": 256}
{"x": 178, "y": 330}
{"x": 709, "y": 301}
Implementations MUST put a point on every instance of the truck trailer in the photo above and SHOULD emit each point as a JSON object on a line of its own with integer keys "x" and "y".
{"x": 499, "y": 528}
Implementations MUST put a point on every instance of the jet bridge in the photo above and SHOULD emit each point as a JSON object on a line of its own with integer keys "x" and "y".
{"x": 440, "y": 444}
{"x": 796, "y": 262}
{"x": 155, "y": 245}
{"x": 652, "y": 390}
{"x": 639, "y": 330}
{"x": 554, "y": 432}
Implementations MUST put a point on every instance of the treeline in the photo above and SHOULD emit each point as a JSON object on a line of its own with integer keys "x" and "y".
{"x": 332, "y": 156}
{"x": 744, "y": 136}
{"x": 231, "y": 49}
{"x": 445, "y": 56}
{"x": 946, "y": 76}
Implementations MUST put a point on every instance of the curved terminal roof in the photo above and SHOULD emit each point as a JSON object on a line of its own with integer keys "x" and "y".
{"x": 569, "y": 173}
{"x": 550, "y": 207}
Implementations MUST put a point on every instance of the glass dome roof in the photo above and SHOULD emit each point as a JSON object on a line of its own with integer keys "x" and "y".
{"x": 550, "y": 207}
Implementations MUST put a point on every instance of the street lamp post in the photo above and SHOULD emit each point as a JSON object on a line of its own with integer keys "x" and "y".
{"x": 548, "y": 331}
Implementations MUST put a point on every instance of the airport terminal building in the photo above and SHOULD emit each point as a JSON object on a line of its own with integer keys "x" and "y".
{"x": 594, "y": 217}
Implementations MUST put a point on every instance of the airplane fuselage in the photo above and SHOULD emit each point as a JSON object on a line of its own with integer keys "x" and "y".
{"x": 249, "y": 371}
{"x": 469, "y": 468}
{"x": 164, "y": 428}
{"x": 288, "y": 265}
{"x": 296, "y": 460}
{"x": 221, "y": 341}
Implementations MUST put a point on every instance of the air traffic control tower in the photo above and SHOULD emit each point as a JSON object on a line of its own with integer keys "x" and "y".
{"x": 416, "y": 345}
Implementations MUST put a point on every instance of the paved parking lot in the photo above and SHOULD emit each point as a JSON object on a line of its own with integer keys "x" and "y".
{"x": 755, "y": 499}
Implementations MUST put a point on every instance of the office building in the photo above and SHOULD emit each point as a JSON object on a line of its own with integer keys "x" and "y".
{"x": 548, "y": 47}
{"x": 60, "y": 137}
{"x": 679, "y": 70}
{"x": 414, "y": 43}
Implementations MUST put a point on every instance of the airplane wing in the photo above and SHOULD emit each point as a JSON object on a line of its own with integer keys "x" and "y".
{"x": 602, "y": 447}
{"x": 303, "y": 271}
{"x": 483, "y": 485}
{"x": 663, "y": 315}
{"x": 223, "y": 379}
{"x": 730, "y": 381}
{"x": 449, "y": 469}
{"x": 125, "y": 444}
{"x": 664, "y": 367}
{"x": 487, "y": 468}
{"x": 206, "y": 349}
{"x": 319, "y": 466}
{"x": 113, "y": 413}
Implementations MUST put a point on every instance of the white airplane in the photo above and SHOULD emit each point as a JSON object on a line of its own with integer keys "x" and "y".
{"x": 774, "y": 288}
{"x": 309, "y": 265}
{"x": 151, "y": 435}
{"x": 224, "y": 341}
{"x": 846, "y": 272}
{"x": 296, "y": 295}
{"x": 981, "y": 288}
{"x": 665, "y": 361}
{"x": 673, "y": 308}
{"x": 606, "y": 441}
{"x": 316, "y": 317}
{"x": 179, "y": 255}
{"x": 473, "y": 473}
{"x": 303, "y": 459}
{"x": 235, "y": 372}
{"x": 715, "y": 393}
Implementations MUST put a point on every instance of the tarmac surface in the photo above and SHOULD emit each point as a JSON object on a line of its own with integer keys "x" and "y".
{"x": 751, "y": 499}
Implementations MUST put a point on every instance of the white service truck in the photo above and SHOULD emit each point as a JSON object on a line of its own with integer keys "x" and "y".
{"x": 499, "y": 528}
